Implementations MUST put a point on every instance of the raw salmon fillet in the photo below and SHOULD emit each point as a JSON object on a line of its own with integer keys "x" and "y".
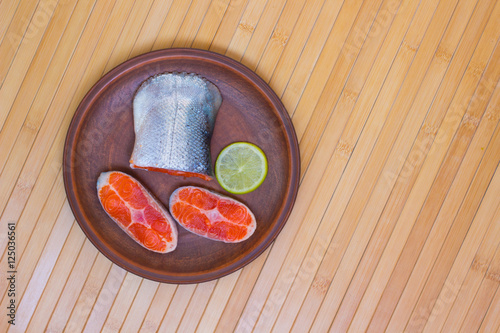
{"x": 135, "y": 210}
{"x": 174, "y": 118}
{"x": 212, "y": 215}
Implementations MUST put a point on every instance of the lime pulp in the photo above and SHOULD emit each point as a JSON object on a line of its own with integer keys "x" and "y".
{"x": 241, "y": 167}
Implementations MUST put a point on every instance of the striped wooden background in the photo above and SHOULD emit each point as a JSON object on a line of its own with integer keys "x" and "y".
{"x": 396, "y": 107}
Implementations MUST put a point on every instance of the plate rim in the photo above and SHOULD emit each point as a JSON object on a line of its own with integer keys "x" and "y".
{"x": 94, "y": 92}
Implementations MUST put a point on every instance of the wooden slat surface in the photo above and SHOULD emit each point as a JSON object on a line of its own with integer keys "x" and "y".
{"x": 396, "y": 105}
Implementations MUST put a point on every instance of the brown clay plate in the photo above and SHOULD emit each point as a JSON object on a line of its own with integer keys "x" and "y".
{"x": 101, "y": 137}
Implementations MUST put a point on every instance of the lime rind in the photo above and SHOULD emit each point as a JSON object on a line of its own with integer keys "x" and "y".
{"x": 233, "y": 171}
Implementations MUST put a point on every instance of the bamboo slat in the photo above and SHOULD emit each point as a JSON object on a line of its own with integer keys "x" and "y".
{"x": 158, "y": 307}
{"x": 246, "y": 27}
{"x": 454, "y": 234}
{"x": 101, "y": 274}
{"x": 28, "y": 131}
{"x": 381, "y": 193}
{"x": 42, "y": 230}
{"x": 413, "y": 288}
{"x": 234, "y": 308}
{"x": 149, "y": 30}
{"x": 72, "y": 289}
{"x": 171, "y": 25}
{"x": 189, "y": 28}
{"x": 210, "y": 25}
{"x": 43, "y": 269}
{"x": 7, "y": 8}
{"x": 179, "y": 303}
{"x": 227, "y": 27}
{"x": 194, "y": 311}
{"x": 213, "y": 310}
{"x": 137, "y": 312}
{"x": 396, "y": 222}
{"x": 32, "y": 81}
{"x": 14, "y": 36}
{"x": 113, "y": 319}
{"x": 129, "y": 33}
{"x": 329, "y": 56}
{"x": 296, "y": 20}
{"x": 408, "y": 174}
{"x": 457, "y": 300}
{"x": 53, "y": 288}
{"x": 430, "y": 210}
{"x": 366, "y": 140}
{"x": 484, "y": 297}
{"x": 264, "y": 31}
{"x": 491, "y": 322}
{"x": 294, "y": 74}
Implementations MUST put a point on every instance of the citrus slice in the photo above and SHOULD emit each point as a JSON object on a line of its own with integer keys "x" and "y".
{"x": 241, "y": 167}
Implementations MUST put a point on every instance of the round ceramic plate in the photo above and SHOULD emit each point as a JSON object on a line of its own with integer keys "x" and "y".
{"x": 101, "y": 136}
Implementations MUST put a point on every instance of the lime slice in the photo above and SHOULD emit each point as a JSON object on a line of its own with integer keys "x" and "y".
{"x": 241, "y": 167}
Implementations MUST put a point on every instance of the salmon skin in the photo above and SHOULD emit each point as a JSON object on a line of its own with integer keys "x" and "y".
{"x": 174, "y": 118}
{"x": 211, "y": 215}
{"x": 137, "y": 213}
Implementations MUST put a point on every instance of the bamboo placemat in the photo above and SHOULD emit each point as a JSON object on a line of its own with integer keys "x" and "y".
{"x": 397, "y": 221}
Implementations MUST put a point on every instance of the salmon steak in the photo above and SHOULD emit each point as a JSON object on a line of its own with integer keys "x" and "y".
{"x": 212, "y": 215}
{"x": 137, "y": 212}
{"x": 174, "y": 117}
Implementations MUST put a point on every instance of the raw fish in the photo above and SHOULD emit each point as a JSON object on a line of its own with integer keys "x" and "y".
{"x": 212, "y": 215}
{"x": 131, "y": 206}
{"x": 174, "y": 117}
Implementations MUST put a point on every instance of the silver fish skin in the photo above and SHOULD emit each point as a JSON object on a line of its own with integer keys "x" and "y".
{"x": 174, "y": 118}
